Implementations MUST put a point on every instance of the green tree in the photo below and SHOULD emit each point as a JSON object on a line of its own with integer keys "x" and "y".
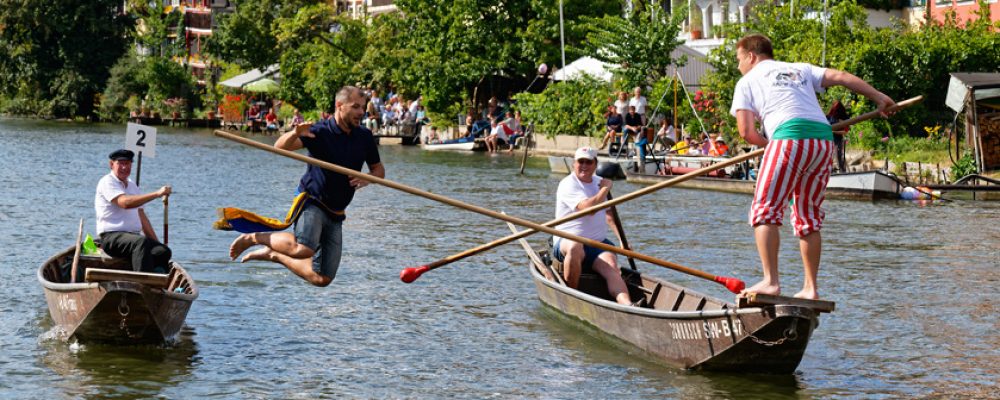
{"x": 567, "y": 108}
{"x": 638, "y": 45}
{"x": 55, "y": 56}
{"x": 248, "y": 35}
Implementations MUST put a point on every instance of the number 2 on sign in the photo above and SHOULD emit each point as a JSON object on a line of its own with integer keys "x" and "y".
{"x": 141, "y": 139}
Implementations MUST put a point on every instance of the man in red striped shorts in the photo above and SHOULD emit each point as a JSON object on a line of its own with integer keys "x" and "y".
{"x": 799, "y": 150}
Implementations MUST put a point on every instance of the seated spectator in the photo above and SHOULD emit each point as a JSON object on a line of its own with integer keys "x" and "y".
{"x": 497, "y": 136}
{"x": 514, "y": 127}
{"x": 667, "y": 132}
{"x": 681, "y": 148}
{"x": 253, "y": 113}
{"x": 719, "y": 148}
{"x": 433, "y": 138}
{"x": 297, "y": 118}
{"x": 271, "y": 120}
{"x": 633, "y": 126}
{"x": 389, "y": 117}
{"x": 704, "y": 145}
{"x": 613, "y": 126}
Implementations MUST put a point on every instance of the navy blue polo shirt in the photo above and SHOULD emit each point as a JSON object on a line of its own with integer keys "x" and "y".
{"x": 332, "y": 145}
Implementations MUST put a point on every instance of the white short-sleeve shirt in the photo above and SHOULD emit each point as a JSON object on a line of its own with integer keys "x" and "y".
{"x": 500, "y": 132}
{"x": 110, "y": 217}
{"x": 778, "y": 91}
{"x": 570, "y": 193}
{"x": 639, "y": 103}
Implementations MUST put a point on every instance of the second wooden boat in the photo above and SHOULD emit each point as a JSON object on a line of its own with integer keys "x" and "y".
{"x": 684, "y": 328}
{"x": 113, "y": 304}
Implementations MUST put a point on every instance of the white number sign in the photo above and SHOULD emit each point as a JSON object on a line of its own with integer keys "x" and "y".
{"x": 141, "y": 138}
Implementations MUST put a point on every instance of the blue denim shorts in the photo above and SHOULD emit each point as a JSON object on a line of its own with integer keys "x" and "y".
{"x": 317, "y": 231}
{"x": 589, "y": 253}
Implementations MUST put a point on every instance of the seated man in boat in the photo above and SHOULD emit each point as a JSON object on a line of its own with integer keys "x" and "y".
{"x": 578, "y": 191}
{"x": 121, "y": 223}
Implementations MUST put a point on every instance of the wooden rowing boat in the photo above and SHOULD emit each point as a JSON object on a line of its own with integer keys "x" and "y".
{"x": 687, "y": 329}
{"x": 113, "y": 304}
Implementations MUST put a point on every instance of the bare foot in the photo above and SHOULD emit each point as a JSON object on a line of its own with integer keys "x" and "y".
{"x": 763, "y": 287}
{"x": 807, "y": 294}
{"x": 241, "y": 244}
{"x": 263, "y": 253}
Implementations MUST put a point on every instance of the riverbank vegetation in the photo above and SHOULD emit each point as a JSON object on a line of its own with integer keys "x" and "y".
{"x": 92, "y": 61}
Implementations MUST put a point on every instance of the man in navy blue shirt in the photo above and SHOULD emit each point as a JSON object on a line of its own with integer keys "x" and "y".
{"x": 313, "y": 251}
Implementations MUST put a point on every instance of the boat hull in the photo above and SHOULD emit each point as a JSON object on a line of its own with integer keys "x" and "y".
{"x": 115, "y": 311}
{"x": 702, "y": 334}
{"x": 466, "y": 146}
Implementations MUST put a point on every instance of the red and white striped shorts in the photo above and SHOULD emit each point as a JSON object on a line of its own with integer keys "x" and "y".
{"x": 796, "y": 168}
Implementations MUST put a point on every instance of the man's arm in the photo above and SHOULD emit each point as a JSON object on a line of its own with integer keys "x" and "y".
{"x": 377, "y": 170}
{"x": 846, "y": 79}
{"x": 291, "y": 140}
{"x": 128, "y": 201}
{"x": 746, "y": 122}
{"x": 147, "y": 228}
{"x": 600, "y": 197}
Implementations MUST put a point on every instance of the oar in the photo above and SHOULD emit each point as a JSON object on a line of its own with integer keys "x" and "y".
{"x": 618, "y": 223}
{"x": 76, "y": 253}
{"x": 411, "y": 274}
{"x": 165, "y": 226}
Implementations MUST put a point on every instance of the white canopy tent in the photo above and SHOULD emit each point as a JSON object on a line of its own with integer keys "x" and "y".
{"x": 585, "y": 65}
{"x": 254, "y": 75}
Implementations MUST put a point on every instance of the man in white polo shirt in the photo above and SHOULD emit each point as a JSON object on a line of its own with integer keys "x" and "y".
{"x": 121, "y": 223}
{"x": 578, "y": 191}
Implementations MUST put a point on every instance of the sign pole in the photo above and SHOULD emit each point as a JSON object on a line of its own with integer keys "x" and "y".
{"x": 138, "y": 170}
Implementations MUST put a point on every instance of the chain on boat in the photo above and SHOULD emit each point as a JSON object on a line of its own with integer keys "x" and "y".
{"x": 791, "y": 333}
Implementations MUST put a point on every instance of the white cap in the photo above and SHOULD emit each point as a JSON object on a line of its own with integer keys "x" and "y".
{"x": 586, "y": 152}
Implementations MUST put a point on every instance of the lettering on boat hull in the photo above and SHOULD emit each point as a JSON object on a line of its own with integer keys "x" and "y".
{"x": 697, "y": 330}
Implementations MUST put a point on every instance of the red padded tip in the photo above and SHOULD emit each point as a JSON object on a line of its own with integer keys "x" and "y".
{"x": 411, "y": 274}
{"x": 734, "y": 285}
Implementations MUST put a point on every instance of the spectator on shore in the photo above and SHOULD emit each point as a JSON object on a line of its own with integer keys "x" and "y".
{"x": 297, "y": 118}
{"x": 639, "y": 102}
{"x": 613, "y": 126}
{"x": 621, "y": 104}
{"x": 513, "y": 124}
{"x": 498, "y": 134}
{"x": 271, "y": 120}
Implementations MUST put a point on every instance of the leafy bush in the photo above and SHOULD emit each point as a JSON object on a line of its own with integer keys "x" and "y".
{"x": 964, "y": 166}
{"x": 567, "y": 108}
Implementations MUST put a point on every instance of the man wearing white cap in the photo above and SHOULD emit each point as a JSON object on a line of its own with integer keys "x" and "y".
{"x": 578, "y": 191}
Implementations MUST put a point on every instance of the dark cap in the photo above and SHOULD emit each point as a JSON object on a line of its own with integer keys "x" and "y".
{"x": 121, "y": 155}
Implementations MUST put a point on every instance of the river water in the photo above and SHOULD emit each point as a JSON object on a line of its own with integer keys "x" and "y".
{"x": 915, "y": 286}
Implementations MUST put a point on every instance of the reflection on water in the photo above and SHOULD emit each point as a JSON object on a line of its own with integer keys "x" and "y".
{"x": 122, "y": 371}
{"x": 916, "y": 313}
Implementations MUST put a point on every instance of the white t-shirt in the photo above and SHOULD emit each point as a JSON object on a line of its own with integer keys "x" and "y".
{"x": 778, "y": 91}
{"x": 500, "y": 132}
{"x": 570, "y": 193}
{"x": 640, "y": 105}
{"x": 621, "y": 106}
{"x": 110, "y": 217}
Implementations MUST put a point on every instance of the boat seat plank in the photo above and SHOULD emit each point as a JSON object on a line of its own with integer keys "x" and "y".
{"x": 145, "y": 278}
{"x": 758, "y": 299}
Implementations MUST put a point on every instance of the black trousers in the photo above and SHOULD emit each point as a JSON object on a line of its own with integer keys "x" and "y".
{"x": 147, "y": 255}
